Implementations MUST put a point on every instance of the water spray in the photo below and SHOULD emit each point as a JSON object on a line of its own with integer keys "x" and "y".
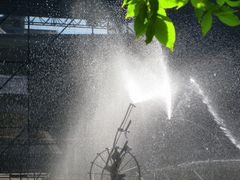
{"x": 217, "y": 118}
{"x": 151, "y": 85}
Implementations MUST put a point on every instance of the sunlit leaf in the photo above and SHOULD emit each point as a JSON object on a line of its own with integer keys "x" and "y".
{"x": 127, "y": 2}
{"x": 150, "y": 17}
{"x": 161, "y": 11}
{"x": 199, "y": 4}
{"x": 182, "y": 3}
{"x": 165, "y": 31}
{"x": 168, "y": 4}
{"x": 229, "y": 19}
{"x": 172, "y": 3}
{"x": 132, "y": 10}
{"x": 206, "y": 23}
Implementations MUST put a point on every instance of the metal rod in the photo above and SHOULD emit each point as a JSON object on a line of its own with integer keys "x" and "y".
{"x": 28, "y": 63}
{"x": 125, "y": 164}
{"x": 11, "y": 77}
{"x": 129, "y": 123}
{"x": 198, "y": 175}
{"x": 98, "y": 165}
{"x": 129, "y": 169}
{"x": 118, "y": 135}
{"x": 102, "y": 158}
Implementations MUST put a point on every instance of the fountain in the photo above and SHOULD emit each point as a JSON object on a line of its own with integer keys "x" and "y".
{"x": 118, "y": 161}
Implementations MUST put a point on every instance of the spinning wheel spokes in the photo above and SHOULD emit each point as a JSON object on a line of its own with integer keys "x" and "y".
{"x": 98, "y": 166}
{"x": 128, "y": 169}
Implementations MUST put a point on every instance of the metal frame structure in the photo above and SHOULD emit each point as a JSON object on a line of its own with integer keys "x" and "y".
{"x": 17, "y": 140}
{"x": 62, "y": 22}
{"x": 35, "y": 176}
{"x": 117, "y": 159}
{"x": 23, "y": 137}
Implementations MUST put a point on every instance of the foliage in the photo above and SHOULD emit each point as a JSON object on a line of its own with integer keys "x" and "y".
{"x": 151, "y": 19}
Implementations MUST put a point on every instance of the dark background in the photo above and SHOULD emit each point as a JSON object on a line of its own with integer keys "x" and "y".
{"x": 27, "y": 120}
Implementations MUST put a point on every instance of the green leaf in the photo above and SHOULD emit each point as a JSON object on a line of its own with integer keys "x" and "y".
{"x": 126, "y": 2}
{"x": 199, "y": 4}
{"x": 229, "y": 19}
{"x": 214, "y": 8}
{"x": 161, "y": 11}
{"x": 140, "y": 22}
{"x": 199, "y": 13}
{"x": 182, "y": 3}
{"x": 140, "y": 27}
{"x": 154, "y": 6}
{"x": 166, "y": 4}
{"x": 132, "y": 10}
{"x": 150, "y": 30}
{"x": 233, "y": 3}
{"x": 206, "y": 23}
{"x": 133, "y": 7}
{"x": 165, "y": 31}
{"x": 223, "y": 10}
{"x": 221, "y": 2}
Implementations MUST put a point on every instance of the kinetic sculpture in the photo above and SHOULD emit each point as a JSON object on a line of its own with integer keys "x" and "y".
{"x": 117, "y": 163}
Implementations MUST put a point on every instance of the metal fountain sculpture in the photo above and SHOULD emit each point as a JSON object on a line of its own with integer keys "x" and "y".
{"x": 117, "y": 163}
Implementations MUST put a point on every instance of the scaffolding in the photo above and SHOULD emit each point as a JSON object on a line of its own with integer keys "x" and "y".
{"x": 24, "y": 141}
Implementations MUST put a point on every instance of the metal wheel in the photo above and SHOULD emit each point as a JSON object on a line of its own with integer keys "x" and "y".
{"x": 104, "y": 166}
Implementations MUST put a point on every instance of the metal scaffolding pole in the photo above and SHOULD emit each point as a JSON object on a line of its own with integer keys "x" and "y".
{"x": 27, "y": 127}
{"x": 29, "y": 93}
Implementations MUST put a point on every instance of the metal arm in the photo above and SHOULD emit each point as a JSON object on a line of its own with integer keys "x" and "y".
{"x": 121, "y": 129}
